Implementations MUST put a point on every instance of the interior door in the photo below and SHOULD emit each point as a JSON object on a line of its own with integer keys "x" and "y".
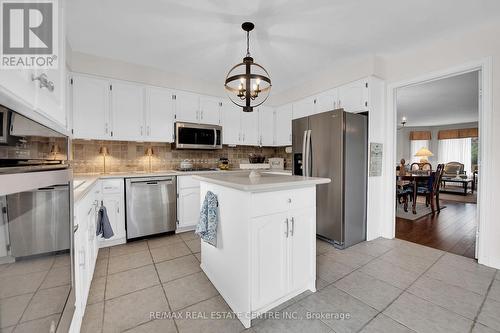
{"x": 269, "y": 259}
{"x": 128, "y": 111}
{"x": 327, "y": 140}
{"x": 90, "y": 108}
{"x": 160, "y": 115}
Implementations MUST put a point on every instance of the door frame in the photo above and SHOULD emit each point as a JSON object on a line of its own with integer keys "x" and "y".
{"x": 485, "y": 216}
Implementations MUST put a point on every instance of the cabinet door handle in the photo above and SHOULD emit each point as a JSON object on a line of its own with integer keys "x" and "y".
{"x": 293, "y": 227}
{"x": 286, "y": 232}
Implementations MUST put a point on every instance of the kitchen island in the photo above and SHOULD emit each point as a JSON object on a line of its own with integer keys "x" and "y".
{"x": 266, "y": 240}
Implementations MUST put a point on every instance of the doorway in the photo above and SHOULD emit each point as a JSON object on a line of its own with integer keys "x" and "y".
{"x": 437, "y": 146}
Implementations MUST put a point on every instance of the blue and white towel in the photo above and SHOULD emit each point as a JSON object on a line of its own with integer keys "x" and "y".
{"x": 207, "y": 225}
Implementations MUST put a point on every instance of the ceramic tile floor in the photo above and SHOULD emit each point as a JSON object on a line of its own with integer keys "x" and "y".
{"x": 377, "y": 286}
{"x": 33, "y": 293}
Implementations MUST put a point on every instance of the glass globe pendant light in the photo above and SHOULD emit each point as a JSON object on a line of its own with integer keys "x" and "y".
{"x": 247, "y": 83}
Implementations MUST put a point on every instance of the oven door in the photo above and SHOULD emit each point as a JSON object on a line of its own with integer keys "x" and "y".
{"x": 197, "y": 136}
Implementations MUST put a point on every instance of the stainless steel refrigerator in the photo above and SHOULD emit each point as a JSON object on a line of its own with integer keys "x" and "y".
{"x": 334, "y": 144}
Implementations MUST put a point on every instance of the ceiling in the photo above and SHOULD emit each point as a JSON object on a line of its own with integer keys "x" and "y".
{"x": 293, "y": 39}
{"x": 452, "y": 100}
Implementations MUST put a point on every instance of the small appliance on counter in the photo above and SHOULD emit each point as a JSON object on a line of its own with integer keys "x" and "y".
{"x": 223, "y": 163}
{"x": 186, "y": 164}
{"x": 277, "y": 163}
{"x": 256, "y": 158}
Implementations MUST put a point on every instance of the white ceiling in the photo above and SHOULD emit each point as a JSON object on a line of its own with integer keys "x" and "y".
{"x": 293, "y": 39}
{"x": 452, "y": 100}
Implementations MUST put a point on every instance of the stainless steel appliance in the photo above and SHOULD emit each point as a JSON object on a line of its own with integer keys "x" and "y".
{"x": 39, "y": 221}
{"x": 334, "y": 145}
{"x": 198, "y": 136}
{"x": 151, "y": 206}
{"x": 3, "y": 124}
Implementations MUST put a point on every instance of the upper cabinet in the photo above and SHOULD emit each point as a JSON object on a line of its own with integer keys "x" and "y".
{"x": 187, "y": 106}
{"x": 303, "y": 108}
{"x": 247, "y": 128}
{"x": 20, "y": 88}
{"x": 326, "y": 101}
{"x": 210, "y": 109}
{"x": 90, "y": 105}
{"x": 353, "y": 97}
{"x": 266, "y": 126}
{"x": 118, "y": 110}
{"x": 284, "y": 125}
{"x": 231, "y": 123}
{"x": 159, "y": 114}
{"x": 127, "y": 105}
{"x": 193, "y": 108}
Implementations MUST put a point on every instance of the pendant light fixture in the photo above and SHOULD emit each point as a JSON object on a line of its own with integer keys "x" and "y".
{"x": 248, "y": 83}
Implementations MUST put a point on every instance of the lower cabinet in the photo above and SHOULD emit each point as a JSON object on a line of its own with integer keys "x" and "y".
{"x": 188, "y": 203}
{"x": 113, "y": 198}
{"x": 283, "y": 245}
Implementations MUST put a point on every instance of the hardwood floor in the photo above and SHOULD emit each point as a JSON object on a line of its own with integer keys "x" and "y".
{"x": 452, "y": 230}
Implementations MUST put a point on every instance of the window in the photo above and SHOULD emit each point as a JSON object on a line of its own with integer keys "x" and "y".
{"x": 415, "y": 146}
{"x": 457, "y": 150}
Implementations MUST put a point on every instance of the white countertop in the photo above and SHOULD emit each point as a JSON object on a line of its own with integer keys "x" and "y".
{"x": 266, "y": 182}
{"x": 88, "y": 180}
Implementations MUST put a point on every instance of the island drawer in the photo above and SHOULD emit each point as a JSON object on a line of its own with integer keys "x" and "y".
{"x": 266, "y": 203}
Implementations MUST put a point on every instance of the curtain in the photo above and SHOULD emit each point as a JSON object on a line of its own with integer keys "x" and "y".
{"x": 456, "y": 150}
{"x": 415, "y": 146}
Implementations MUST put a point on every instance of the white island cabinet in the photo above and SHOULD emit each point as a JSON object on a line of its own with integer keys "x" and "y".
{"x": 266, "y": 240}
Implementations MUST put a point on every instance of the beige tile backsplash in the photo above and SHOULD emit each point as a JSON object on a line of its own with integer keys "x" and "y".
{"x": 127, "y": 156}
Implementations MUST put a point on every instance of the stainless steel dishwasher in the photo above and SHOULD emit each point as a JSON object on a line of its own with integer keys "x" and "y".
{"x": 39, "y": 221}
{"x": 151, "y": 206}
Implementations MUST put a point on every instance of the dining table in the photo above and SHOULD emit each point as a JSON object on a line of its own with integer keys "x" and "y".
{"x": 415, "y": 178}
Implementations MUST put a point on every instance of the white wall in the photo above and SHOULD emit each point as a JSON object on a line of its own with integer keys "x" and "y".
{"x": 439, "y": 55}
{"x": 90, "y": 64}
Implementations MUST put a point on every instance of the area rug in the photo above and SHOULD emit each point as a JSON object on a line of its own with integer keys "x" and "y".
{"x": 421, "y": 211}
{"x": 469, "y": 198}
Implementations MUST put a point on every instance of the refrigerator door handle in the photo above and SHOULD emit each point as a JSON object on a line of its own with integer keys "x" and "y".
{"x": 308, "y": 153}
{"x": 304, "y": 152}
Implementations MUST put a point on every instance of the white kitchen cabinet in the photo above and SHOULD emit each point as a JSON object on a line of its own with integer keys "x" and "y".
{"x": 91, "y": 102}
{"x": 270, "y": 259}
{"x": 127, "y": 110}
{"x": 159, "y": 115}
{"x": 20, "y": 92}
{"x": 301, "y": 247}
{"x": 187, "y": 106}
{"x": 266, "y": 126}
{"x": 326, "y": 101}
{"x": 250, "y": 128}
{"x": 188, "y": 203}
{"x": 210, "y": 109}
{"x": 267, "y": 240}
{"x": 353, "y": 97}
{"x": 303, "y": 108}
{"x": 113, "y": 198}
{"x": 231, "y": 123}
{"x": 284, "y": 125}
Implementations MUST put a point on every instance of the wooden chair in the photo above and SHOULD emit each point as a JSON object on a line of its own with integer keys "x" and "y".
{"x": 415, "y": 166}
{"x": 402, "y": 194}
{"x": 431, "y": 189}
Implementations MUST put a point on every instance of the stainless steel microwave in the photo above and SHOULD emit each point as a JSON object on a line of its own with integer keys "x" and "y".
{"x": 198, "y": 136}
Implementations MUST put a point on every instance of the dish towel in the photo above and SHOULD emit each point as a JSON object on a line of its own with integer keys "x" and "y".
{"x": 207, "y": 225}
{"x": 103, "y": 226}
